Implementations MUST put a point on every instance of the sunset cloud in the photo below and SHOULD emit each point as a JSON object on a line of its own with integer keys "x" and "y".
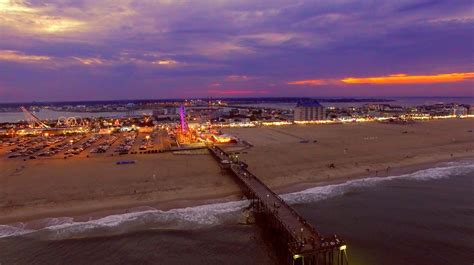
{"x": 310, "y": 82}
{"x": 165, "y": 62}
{"x": 15, "y": 56}
{"x": 404, "y": 79}
{"x": 89, "y": 61}
{"x": 180, "y": 48}
{"x": 239, "y": 77}
{"x": 21, "y": 16}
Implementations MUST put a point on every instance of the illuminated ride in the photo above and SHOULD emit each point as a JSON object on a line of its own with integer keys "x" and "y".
{"x": 184, "y": 134}
{"x": 32, "y": 120}
{"x": 70, "y": 122}
{"x": 182, "y": 118}
{"x": 191, "y": 135}
{"x": 63, "y": 126}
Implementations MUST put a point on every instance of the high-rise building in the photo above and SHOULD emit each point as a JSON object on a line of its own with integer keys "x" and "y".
{"x": 309, "y": 110}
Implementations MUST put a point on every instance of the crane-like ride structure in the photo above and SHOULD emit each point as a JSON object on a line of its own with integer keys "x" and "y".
{"x": 33, "y": 121}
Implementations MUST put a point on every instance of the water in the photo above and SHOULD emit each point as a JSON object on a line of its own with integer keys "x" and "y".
{"x": 403, "y": 221}
{"x": 47, "y": 114}
{"x": 422, "y": 218}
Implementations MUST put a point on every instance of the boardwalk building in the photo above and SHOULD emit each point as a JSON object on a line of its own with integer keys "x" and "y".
{"x": 309, "y": 111}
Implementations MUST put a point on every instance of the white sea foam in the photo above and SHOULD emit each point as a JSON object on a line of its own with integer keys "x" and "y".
{"x": 323, "y": 192}
{"x": 10, "y": 230}
{"x": 191, "y": 217}
{"x": 211, "y": 214}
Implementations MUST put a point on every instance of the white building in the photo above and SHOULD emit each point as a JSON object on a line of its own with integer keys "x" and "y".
{"x": 309, "y": 111}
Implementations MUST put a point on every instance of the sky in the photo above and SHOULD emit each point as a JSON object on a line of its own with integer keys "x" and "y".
{"x": 123, "y": 49}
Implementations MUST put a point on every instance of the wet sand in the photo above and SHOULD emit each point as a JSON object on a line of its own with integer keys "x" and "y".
{"x": 97, "y": 186}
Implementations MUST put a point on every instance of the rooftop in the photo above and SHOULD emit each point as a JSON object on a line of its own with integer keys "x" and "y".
{"x": 308, "y": 103}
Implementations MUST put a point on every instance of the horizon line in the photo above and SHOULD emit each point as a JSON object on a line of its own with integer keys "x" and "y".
{"x": 227, "y": 98}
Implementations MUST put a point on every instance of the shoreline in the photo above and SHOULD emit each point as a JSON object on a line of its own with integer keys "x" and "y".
{"x": 80, "y": 214}
{"x": 396, "y": 171}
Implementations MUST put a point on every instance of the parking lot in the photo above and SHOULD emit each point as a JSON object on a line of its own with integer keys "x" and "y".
{"x": 84, "y": 145}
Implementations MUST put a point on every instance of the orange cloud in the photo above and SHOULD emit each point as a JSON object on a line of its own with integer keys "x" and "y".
{"x": 15, "y": 56}
{"x": 402, "y": 79}
{"x": 310, "y": 82}
{"x": 165, "y": 62}
{"x": 89, "y": 61}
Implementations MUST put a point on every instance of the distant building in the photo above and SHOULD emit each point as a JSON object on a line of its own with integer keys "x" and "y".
{"x": 309, "y": 110}
{"x": 471, "y": 110}
{"x": 171, "y": 110}
{"x": 460, "y": 110}
{"x": 158, "y": 112}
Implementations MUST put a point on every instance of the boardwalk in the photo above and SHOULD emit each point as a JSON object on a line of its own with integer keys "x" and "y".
{"x": 298, "y": 241}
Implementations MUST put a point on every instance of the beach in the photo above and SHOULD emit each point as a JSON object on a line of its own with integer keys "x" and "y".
{"x": 290, "y": 158}
{"x": 424, "y": 217}
{"x": 287, "y": 158}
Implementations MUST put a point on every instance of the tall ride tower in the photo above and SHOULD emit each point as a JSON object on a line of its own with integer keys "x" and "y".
{"x": 182, "y": 116}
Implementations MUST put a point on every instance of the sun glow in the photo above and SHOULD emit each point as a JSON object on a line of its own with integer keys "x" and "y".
{"x": 410, "y": 79}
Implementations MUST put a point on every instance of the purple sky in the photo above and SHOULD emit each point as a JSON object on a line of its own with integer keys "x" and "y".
{"x": 125, "y": 49}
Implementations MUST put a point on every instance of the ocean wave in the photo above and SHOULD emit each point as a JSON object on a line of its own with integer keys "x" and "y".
{"x": 206, "y": 215}
{"x": 191, "y": 217}
{"x": 444, "y": 170}
{"x": 12, "y": 230}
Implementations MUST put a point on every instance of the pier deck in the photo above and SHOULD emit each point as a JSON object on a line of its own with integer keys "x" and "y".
{"x": 298, "y": 239}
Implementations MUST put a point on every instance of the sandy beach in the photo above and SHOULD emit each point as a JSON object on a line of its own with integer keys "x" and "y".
{"x": 287, "y": 158}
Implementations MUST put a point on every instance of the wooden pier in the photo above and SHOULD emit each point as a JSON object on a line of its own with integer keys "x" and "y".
{"x": 296, "y": 241}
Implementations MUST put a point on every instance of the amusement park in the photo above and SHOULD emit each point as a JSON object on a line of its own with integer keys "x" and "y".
{"x": 63, "y": 125}
{"x": 84, "y": 137}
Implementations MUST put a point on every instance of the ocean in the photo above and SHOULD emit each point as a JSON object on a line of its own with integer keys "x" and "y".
{"x": 422, "y": 218}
